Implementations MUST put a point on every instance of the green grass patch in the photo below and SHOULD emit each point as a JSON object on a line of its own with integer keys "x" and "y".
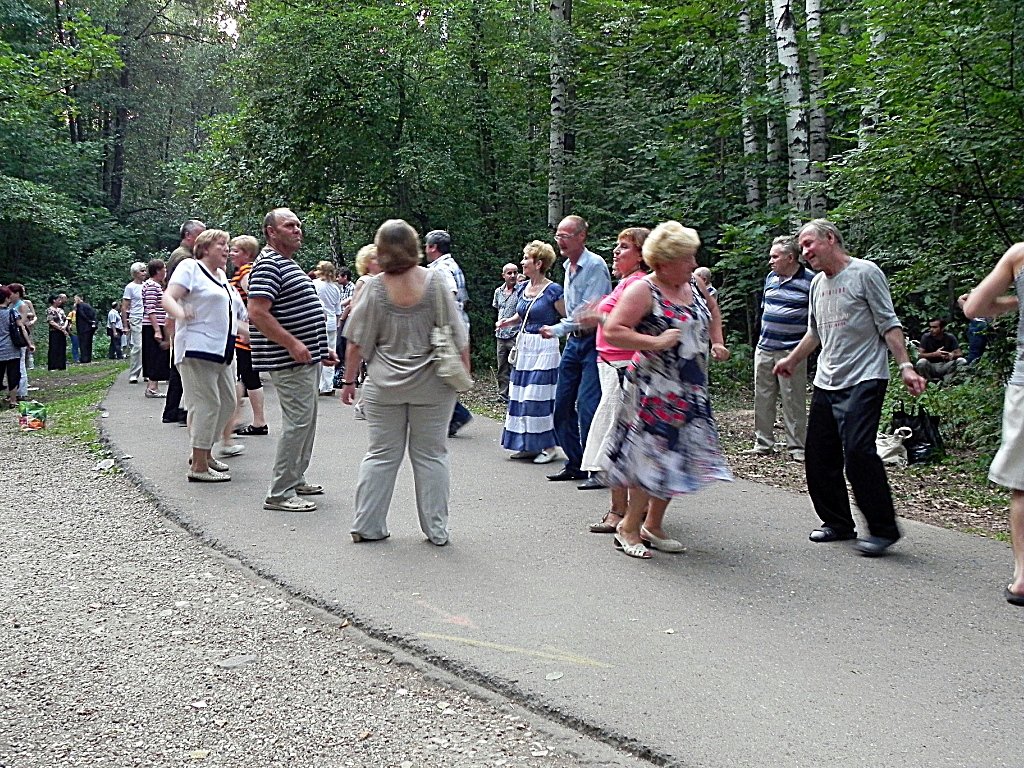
{"x": 72, "y": 398}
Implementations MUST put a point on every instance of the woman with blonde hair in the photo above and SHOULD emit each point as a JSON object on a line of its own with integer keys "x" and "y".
{"x": 206, "y": 310}
{"x": 529, "y": 422}
{"x": 367, "y": 268}
{"x": 330, "y": 298}
{"x": 665, "y": 440}
{"x": 242, "y": 251}
{"x": 407, "y": 404}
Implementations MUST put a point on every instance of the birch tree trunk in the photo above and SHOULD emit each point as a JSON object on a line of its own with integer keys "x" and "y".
{"x": 751, "y": 145}
{"x": 559, "y": 94}
{"x": 795, "y": 101}
{"x": 870, "y": 105}
{"x": 817, "y": 121}
{"x": 773, "y": 132}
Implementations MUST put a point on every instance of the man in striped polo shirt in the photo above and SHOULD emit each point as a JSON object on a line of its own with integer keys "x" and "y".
{"x": 289, "y": 341}
{"x": 783, "y": 324}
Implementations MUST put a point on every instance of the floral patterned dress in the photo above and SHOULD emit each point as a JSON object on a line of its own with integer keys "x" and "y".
{"x": 665, "y": 439}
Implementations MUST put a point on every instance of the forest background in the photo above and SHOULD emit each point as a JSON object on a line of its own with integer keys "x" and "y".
{"x": 902, "y": 120}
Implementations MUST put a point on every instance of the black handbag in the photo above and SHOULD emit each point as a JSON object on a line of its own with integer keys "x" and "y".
{"x": 925, "y": 442}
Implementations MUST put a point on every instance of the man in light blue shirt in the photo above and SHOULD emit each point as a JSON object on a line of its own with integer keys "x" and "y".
{"x": 578, "y": 392}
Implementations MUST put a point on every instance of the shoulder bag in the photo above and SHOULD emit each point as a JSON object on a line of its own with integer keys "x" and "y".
{"x": 513, "y": 354}
{"x": 447, "y": 358}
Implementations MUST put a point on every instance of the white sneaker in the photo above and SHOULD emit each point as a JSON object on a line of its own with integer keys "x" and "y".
{"x": 551, "y": 454}
{"x": 357, "y": 411}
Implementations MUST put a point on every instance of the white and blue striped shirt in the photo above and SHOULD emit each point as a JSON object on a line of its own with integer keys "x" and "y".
{"x": 784, "y": 308}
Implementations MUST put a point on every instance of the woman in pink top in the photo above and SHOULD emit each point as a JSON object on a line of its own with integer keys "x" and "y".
{"x": 628, "y": 265}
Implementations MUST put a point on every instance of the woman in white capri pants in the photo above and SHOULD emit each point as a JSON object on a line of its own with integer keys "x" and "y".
{"x": 205, "y": 308}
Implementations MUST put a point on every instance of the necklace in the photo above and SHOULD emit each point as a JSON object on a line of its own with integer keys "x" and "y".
{"x": 537, "y": 289}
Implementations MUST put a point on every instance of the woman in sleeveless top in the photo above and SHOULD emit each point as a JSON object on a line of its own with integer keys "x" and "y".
{"x": 665, "y": 440}
{"x": 1007, "y": 469}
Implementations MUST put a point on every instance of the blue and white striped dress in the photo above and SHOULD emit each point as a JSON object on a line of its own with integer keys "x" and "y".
{"x": 530, "y": 423}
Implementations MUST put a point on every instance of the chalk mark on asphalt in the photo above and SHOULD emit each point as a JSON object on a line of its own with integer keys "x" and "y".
{"x": 552, "y": 655}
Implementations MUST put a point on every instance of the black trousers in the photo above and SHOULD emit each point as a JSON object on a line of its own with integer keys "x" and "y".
{"x": 85, "y": 337}
{"x": 172, "y": 403}
{"x": 841, "y": 429}
{"x": 57, "y": 354}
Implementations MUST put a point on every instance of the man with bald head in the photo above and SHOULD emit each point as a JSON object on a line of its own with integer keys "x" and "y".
{"x": 505, "y": 299}
{"x": 289, "y": 341}
{"x": 578, "y": 392}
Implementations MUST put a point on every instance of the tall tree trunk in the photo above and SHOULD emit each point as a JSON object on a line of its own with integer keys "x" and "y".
{"x": 120, "y": 134}
{"x": 481, "y": 101}
{"x": 817, "y": 120}
{"x": 794, "y": 101}
{"x": 869, "y": 96}
{"x": 751, "y": 145}
{"x": 774, "y": 151}
{"x": 105, "y": 132}
{"x": 558, "y": 12}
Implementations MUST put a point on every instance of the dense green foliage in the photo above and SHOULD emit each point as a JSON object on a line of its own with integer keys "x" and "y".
{"x": 124, "y": 118}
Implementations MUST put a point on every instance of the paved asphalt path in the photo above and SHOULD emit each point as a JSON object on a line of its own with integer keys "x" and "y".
{"x": 754, "y": 648}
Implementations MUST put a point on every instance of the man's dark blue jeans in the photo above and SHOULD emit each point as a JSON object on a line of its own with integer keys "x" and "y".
{"x": 576, "y": 397}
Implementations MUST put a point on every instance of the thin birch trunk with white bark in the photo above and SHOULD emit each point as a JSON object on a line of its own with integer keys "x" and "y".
{"x": 817, "y": 121}
{"x": 559, "y": 95}
{"x": 870, "y": 102}
{"x": 751, "y": 145}
{"x": 774, "y": 152}
{"x": 795, "y": 102}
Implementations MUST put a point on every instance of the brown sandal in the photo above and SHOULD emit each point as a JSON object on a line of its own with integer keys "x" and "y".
{"x": 604, "y": 526}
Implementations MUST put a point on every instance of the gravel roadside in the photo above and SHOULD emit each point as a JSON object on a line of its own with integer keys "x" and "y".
{"x": 127, "y": 643}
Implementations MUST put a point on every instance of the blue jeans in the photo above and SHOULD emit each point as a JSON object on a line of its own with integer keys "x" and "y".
{"x": 977, "y": 339}
{"x": 576, "y": 397}
{"x": 460, "y": 415}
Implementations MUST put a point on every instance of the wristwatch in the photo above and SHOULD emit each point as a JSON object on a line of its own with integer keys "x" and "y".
{"x": 907, "y": 364}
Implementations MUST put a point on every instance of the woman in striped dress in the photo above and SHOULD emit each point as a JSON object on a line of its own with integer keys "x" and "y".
{"x": 529, "y": 424}
{"x": 156, "y": 356}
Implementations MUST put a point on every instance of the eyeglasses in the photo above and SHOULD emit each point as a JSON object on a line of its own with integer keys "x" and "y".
{"x": 565, "y": 235}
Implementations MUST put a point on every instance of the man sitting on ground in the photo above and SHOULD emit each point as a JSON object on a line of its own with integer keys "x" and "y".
{"x": 939, "y": 352}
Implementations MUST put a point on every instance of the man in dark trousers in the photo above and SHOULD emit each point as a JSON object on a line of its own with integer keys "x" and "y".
{"x": 85, "y": 324}
{"x": 852, "y": 319}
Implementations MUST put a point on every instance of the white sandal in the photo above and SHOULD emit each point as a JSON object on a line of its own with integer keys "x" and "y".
{"x": 633, "y": 550}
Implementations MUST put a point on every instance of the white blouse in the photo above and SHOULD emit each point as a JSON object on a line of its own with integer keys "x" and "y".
{"x": 214, "y": 309}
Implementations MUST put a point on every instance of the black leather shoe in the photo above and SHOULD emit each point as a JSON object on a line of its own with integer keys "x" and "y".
{"x": 567, "y": 474}
{"x": 591, "y": 484}
{"x": 874, "y": 546}
{"x": 825, "y": 534}
{"x": 174, "y": 417}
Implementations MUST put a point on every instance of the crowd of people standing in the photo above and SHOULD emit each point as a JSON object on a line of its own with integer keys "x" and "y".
{"x": 623, "y": 402}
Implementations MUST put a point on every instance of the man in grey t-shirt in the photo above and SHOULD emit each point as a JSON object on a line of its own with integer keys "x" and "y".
{"x": 852, "y": 318}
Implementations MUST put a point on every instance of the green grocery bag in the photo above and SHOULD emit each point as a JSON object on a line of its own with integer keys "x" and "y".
{"x": 31, "y": 415}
